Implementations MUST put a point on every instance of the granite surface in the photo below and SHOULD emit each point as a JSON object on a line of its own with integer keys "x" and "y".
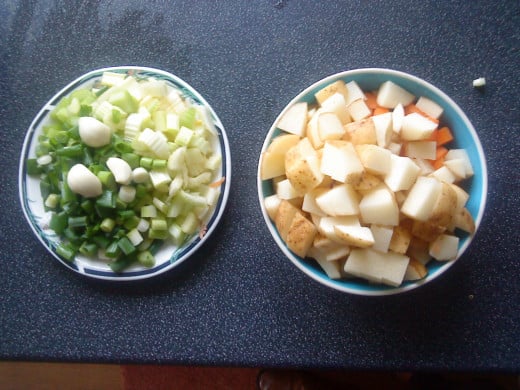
{"x": 239, "y": 301}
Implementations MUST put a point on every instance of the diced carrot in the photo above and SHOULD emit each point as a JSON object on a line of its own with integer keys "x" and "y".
{"x": 413, "y": 108}
{"x": 440, "y": 152}
{"x": 218, "y": 182}
{"x": 371, "y": 100}
{"x": 444, "y": 136}
{"x": 433, "y": 136}
{"x": 438, "y": 163}
{"x": 380, "y": 110}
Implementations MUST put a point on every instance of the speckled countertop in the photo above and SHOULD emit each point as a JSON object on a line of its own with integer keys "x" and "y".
{"x": 239, "y": 301}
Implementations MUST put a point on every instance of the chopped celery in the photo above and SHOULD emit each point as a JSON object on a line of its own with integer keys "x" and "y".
{"x": 152, "y": 127}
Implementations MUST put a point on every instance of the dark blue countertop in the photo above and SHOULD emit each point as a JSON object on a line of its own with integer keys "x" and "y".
{"x": 239, "y": 301}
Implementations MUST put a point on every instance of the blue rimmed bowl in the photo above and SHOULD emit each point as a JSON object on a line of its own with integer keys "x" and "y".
{"x": 465, "y": 137}
{"x": 168, "y": 256}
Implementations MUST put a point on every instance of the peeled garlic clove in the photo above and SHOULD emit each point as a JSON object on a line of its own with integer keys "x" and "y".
{"x": 120, "y": 169}
{"x": 93, "y": 132}
{"x": 83, "y": 182}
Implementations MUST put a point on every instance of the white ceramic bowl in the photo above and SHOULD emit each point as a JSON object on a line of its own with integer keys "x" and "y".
{"x": 465, "y": 137}
{"x": 168, "y": 256}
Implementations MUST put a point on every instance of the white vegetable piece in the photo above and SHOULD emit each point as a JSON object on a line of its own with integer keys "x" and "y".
{"x": 422, "y": 149}
{"x": 461, "y": 153}
{"x": 140, "y": 175}
{"x": 93, "y": 132}
{"x": 285, "y": 190}
{"x": 120, "y": 169}
{"x": 421, "y": 199}
{"x": 340, "y": 161}
{"x": 83, "y": 182}
{"x": 397, "y": 118}
{"x": 271, "y": 204}
{"x": 359, "y": 110}
{"x": 403, "y": 173}
{"x": 429, "y": 107}
{"x": 127, "y": 193}
{"x": 336, "y": 104}
{"x": 388, "y": 268}
{"x": 354, "y": 92}
{"x": 339, "y": 200}
{"x": 379, "y": 207}
{"x": 480, "y": 82}
{"x": 416, "y": 127}
{"x": 383, "y": 126}
{"x": 444, "y": 248}
{"x": 326, "y": 225}
{"x": 391, "y": 94}
{"x": 294, "y": 119}
{"x": 329, "y": 126}
{"x": 382, "y": 237}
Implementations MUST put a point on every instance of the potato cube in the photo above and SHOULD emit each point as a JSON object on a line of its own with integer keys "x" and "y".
{"x": 284, "y": 217}
{"x": 374, "y": 158}
{"x": 294, "y": 120}
{"x": 445, "y": 247}
{"x": 361, "y": 132}
{"x": 391, "y": 94}
{"x": 400, "y": 240}
{"x": 300, "y": 235}
{"x": 388, "y": 268}
{"x": 379, "y": 207}
{"x": 358, "y": 110}
{"x": 329, "y": 90}
{"x": 339, "y": 200}
{"x": 358, "y": 236}
{"x": 382, "y": 236}
{"x": 417, "y": 127}
{"x": 403, "y": 173}
{"x": 421, "y": 199}
{"x": 341, "y": 162}
{"x": 336, "y": 104}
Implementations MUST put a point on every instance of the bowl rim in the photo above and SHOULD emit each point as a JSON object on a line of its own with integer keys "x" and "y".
{"x": 186, "y": 251}
{"x": 386, "y": 290}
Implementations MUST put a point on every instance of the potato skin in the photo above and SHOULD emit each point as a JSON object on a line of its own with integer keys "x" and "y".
{"x": 300, "y": 235}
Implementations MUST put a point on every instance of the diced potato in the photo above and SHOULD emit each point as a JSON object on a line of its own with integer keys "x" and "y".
{"x": 329, "y": 90}
{"x": 341, "y": 162}
{"x": 383, "y": 129}
{"x": 421, "y": 199}
{"x": 302, "y": 167}
{"x": 379, "y": 207}
{"x": 426, "y": 230}
{"x": 354, "y": 93}
{"x": 397, "y": 118}
{"x": 416, "y": 127}
{"x": 361, "y": 132}
{"x": 309, "y": 202}
{"x": 387, "y": 268}
{"x": 457, "y": 166}
{"x": 429, "y": 107}
{"x": 284, "y": 217}
{"x": 358, "y": 236}
{"x": 273, "y": 160}
{"x": 445, "y": 247}
{"x": 374, "y": 158}
{"x": 421, "y": 149}
{"x": 358, "y": 110}
{"x": 271, "y": 204}
{"x": 294, "y": 120}
{"x": 443, "y": 174}
{"x": 300, "y": 234}
{"x": 403, "y": 173}
{"x": 382, "y": 236}
{"x": 367, "y": 182}
{"x": 461, "y": 153}
{"x": 415, "y": 270}
{"x": 336, "y": 104}
{"x": 419, "y": 250}
{"x": 442, "y": 212}
{"x": 339, "y": 200}
{"x": 391, "y": 94}
{"x": 329, "y": 126}
{"x": 400, "y": 240}
{"x": 464, "y": 221}
{"x": 326, "y": 226}
{"x": 285, "y": 190}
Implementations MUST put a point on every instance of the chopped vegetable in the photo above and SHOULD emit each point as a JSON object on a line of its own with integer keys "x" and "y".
{"x": 124, "y": 166}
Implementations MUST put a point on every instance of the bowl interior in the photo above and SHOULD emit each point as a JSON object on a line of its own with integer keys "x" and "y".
{"x": 465, "y": 137}
{"x": 168, "y": 256}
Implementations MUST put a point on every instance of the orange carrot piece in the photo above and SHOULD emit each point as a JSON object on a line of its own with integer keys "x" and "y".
{"x": 218, "y": 182}
{"x": 438, "y": 163}
{"x": 371, "y": 100}
{"x": 440, "y": 152}
{"x": 380, "y": 110}
{"x": 444, "y": 136}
